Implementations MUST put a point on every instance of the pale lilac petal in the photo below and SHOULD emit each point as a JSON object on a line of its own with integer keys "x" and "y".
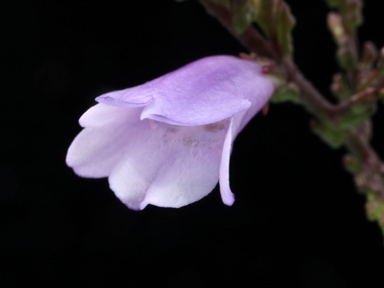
{"x": 195, "y": 115}
{"x": 132, "y": 97}
{"x": 135, "y": 171}
{"x": 225, "y": 189}
{"x": 101, "y": 115}
{"x": 171, "y": 167}
{"x": 262, "y": 95}
{"x": 205, "y": 91}
{"x": 237, "y": 124}
{"x": 96, "y": 149}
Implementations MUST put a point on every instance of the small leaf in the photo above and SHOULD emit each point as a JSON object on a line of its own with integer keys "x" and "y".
{"x": 367, "y": 78}
{"x": 336, "y": 4}
{"x": 345, "y": 56}
{"x": 369, "y": 57}
{"x": 353, "y": 15}
{"x": 339, "y": 86}
{"x": 243, "y": 15}
{"x": 276, "y": 20}
{"x": 335, "y": 25}
{"x": 285, "y": 25}
{"x": 350, "y": 11}
{"x": 375, "y": 208}
{"x": 369, "y": 183}
{"x": 264, "y": 15}
{"x": 357, "y": 114}
{"x": 351, "y": 164}
{"x": 329, "y": 133}
{"x": 380, "y": 63}
{"x": 286, "y": 93}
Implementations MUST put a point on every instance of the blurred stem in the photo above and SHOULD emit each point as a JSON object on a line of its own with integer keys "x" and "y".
{"x": 250, "y": 38}
{"x": 362, "y": 150}
{"x": 353, "y": 41}
{"x": 311, "y": 98}
{"x": 313, "y": 101}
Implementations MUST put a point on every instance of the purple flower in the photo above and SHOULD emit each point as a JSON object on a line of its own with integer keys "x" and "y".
{"x": 168, "y": 142}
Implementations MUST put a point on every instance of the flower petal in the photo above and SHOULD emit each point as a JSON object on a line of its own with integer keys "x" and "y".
{"x": 225, "y": 189}
{"x": 195, "y": 115}
{"x": 100, "y": 115}
{"x": 172, "y": 167}
{"x": 132, "y": 97}
{"x": 96, "y": 149}
{"x": 134, "y": 172}
{"x": 205, "y": 91}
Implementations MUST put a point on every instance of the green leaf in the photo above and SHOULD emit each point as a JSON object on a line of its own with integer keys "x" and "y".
{"x": 264, "y": 16}
{"x": 276, "y": 20}
{"x": 357, "y": 114}
{"x": 340, "y": 87}
{"x": 353, "y": 14}
{"x": 374, "y": 207}
{"x": 329, "y": 133}
{"x": 345, "y": 57}
{"x": 335, "y": 25}
{"x": 336, "y": 4}
{"x": 285, "y": 24}
{"x": 351, "y": 164}
{"x": 351, "y": 11}
{"x": 380, "y": 63}
{"x": 243, "y": 16}
{"x": 286, "y": 93}
{"x": 369, "y": 57}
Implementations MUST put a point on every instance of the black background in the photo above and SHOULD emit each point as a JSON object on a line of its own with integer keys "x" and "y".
{"x": 297, "y": 219}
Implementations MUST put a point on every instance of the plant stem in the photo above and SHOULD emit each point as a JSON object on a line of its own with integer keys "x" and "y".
{"x": 311, "y": 98}
{"x": 313, "y": 101}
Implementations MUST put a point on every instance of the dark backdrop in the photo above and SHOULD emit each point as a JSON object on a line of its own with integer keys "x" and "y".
{"x": 297, "y": 219}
